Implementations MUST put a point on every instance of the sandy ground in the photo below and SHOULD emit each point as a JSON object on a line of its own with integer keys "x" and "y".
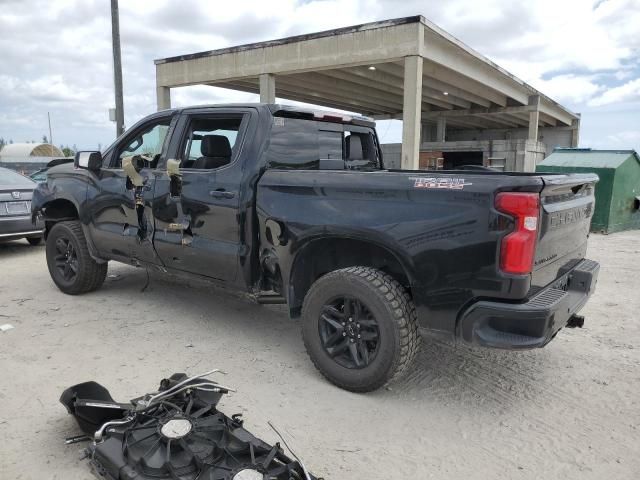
{"x": 569, "y": 411}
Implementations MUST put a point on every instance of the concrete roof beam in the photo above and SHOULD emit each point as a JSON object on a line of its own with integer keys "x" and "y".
{"x": 393, "y": 71}
{"x": 450, "y": 77}
{"x": 522, "y": 120}
{"x": 316, "y": 99}
{"x": 501, "y": 121}
{"x": 455, "y": 91}
{"x": 434, "y": 89}
{"x": 473, "y": 123}
{"x": 395, "y": 83}
{"x": 332, "y": 88}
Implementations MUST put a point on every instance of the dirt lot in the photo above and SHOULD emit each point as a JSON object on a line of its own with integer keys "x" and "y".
{"x": 571, "y": 410}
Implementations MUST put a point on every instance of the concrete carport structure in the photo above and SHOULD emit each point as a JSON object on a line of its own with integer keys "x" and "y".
{"x": 407, "y": 69}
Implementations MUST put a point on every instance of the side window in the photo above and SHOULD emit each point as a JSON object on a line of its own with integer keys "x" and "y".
{"x": 314, "y": 145}
{"x": 293, "y": 144}
{"x": 360, "y": 151}
{"x": 211, "y": 142}
{"x": 148, "y": 143}
{"x": 331, "y": 150}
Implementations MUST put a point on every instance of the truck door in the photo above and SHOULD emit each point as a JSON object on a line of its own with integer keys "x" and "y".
{"x": 197, "y": 221}
{"x": 119, "y": 228}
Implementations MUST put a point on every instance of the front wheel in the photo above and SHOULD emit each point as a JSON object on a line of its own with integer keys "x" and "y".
{"x": 70, "y": 264}
{"x": 359, "y": 328}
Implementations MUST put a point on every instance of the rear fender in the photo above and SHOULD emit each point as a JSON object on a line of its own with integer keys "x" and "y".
{"x": 319, "y": 256}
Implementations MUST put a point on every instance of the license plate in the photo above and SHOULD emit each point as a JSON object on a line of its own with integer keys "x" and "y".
{"x": 17, "y": 208}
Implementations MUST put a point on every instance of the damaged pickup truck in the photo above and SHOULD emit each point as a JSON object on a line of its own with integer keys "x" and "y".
{"x": 297, "y": 208}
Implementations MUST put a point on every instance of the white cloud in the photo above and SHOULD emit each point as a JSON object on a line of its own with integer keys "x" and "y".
{"x": 56, "y": 54}
{"x": 628, "y": 92}
{"x": 626, "y": 138}
{"x": 623, "y": 74}
{"x": 546, "y": 35}
{"x": 569, "y": 88}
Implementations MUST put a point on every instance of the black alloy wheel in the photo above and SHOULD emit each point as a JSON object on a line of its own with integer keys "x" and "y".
{"x": 349, "y": 332}
{"x": 359, "y": 327}
{"x": 66, "y": 259}
{"x": 71, "y": 266}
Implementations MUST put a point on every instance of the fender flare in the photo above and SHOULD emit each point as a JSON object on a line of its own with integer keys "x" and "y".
{"x": 67, "y": 198}
{"x": 295, "y": 300}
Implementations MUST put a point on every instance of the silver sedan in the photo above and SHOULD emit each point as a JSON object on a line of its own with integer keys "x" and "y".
{"x": 15, "y": 208}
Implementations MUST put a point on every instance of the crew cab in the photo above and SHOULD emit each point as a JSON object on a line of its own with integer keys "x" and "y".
{"x": 296, "y": 207}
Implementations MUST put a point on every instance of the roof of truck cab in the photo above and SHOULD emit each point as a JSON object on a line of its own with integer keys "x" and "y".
{"x": 284, "y": 110}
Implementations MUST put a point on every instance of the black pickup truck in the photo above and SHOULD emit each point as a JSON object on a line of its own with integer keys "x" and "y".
{"x": 296, "y": 207}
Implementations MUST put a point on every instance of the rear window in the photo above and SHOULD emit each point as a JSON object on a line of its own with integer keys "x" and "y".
{"x": 11, "y": 178}
{"x": 314, "y": 145}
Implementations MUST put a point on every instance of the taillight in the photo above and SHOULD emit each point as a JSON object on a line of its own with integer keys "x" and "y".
{"x": 518, "y": 247}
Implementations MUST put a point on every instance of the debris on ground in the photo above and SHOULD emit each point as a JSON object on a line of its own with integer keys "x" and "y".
{"x": 6, "y": 326}
{"x": 174, "y": 433}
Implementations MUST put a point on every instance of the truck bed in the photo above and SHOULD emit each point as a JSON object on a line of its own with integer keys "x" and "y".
{"x": 442, "y": 226}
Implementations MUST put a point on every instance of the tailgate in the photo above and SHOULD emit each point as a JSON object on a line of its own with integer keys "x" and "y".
{"x": 567, "y": 204}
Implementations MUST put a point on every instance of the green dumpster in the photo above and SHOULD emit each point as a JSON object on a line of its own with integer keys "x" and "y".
{"x": 617, "y": 192}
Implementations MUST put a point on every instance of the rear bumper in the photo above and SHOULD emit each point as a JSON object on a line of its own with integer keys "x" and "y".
{"x": 19, "y": 227}
{"x": 534, "y": 323}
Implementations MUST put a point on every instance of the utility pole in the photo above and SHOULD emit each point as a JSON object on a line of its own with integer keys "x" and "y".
{"x": 50, "y": 136}
{"x": 117, "y": 67}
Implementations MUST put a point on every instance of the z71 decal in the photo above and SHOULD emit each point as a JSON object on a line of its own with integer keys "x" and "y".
{"x": 439, "y": 183}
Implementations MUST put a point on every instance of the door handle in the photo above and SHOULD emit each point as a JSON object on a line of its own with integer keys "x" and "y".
{"x": 222, "y": 194}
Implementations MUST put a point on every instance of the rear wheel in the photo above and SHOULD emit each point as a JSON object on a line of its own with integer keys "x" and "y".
{"x": 70, "y": 264}
{"x": 34, "y": 240}
{"x": 359, "y": 328}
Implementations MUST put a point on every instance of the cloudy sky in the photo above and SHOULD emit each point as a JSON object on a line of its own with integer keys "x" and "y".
{"x": 56, "y": 55}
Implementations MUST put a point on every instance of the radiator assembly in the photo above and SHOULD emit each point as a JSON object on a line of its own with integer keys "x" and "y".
{"x": 175, "y": 433}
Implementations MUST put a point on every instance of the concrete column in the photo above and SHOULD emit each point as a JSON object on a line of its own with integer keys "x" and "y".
{"x": 534, "y": 117}
{"x": 267, "y": 88}
{"x": 163, "y": 95}
{"x": 411, "y": 112}
{"x": 441, "y": 129}
{"x": 575, "y": 133}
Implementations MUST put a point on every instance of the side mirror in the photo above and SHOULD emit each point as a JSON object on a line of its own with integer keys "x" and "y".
{"x": 90, "y": 160}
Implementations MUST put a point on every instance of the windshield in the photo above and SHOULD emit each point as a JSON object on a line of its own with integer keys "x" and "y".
{"x": 11, "y": 178}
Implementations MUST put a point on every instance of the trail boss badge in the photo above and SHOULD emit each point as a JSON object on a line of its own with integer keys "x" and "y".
{"x": 439, "y": 183}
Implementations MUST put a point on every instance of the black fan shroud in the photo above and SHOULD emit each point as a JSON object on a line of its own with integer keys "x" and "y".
{"x": 187, "y": 438}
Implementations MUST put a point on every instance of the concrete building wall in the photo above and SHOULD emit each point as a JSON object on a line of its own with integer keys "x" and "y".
{"x": 392, "y": 155}
{"x": 502, "y": 148}
{"x": 550, "y": 137}
{"x": 512, "y": 155}
{"x": 519, "y": 155}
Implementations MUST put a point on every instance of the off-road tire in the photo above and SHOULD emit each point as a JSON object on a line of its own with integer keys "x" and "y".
{"x": 34, "y": 241}
{"x": 90, "y": 274}
{"x": 394, "y": 312}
